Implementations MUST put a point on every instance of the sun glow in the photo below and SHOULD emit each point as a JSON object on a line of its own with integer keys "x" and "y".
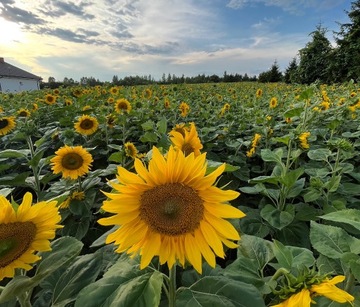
{"x": 10, "y": 32}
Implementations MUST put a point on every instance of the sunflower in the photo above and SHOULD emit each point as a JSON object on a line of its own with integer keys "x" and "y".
{"x": 273, "y": 102}
{"x": 110, "y": 120}
{"x": 25, "y": 231}
{"x": 122, "y": 105}
{"x": 7, "y": 124}
{"x": 23, "y": 113}
{"x": 259, "y": 92}
{"x": 187, "y": 141}
{"x": 167, "y": 103}
{"x": 72, "y": 162}
{"x": 171, "y": 210}
{"x": 130, "y": 150}
{"x": 50, "y": 99}
{"x": 114, "y": 90}
{"x": 86, "y": 125}
{"x": 325, "y": 288}
{"x": 303, "y": 138}
{"x": 184, "y": 109}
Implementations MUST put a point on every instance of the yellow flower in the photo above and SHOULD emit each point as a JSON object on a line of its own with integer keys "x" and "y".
{"x": 35, "y": 107}
{"x": 273, "y": 103}
{"x": 325, "y": 288}
{"x": 72, "y": 162}
{"x": 110, "y": 120}
{"x": 254, "y": 144}
{"x": 303, "y": 138}
{"x": 130, "y": 150}
{"x": 328, "y": 289}
{"x": 23, "y": 112}
{"x": 50, "y": 99}
{"x": 166, "y": 103}
{"x": 171, "y": 210}
{"x": 187, "y": 140}
{"x": 122, "y": 105}
{"x": 300, "y": 299}
{"x": 147, "y": 93}
{"x": 259, "y": 93}
{"x": 86, "y": 125}
{"x": 7, "y": 124}
{"x": 25, "y": 231}
{"x": 184, "y": 108}
{"x": 114, "y": 90}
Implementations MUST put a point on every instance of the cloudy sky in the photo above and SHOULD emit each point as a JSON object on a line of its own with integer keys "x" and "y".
{"x": 103, "y": 38}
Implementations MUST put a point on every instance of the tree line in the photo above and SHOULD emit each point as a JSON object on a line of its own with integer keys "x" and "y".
{"x": 318, "y": 61}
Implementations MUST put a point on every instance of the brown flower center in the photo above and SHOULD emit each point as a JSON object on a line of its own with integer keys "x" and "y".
{"x": 86, "y": 124}
{"x": 172, "y": 209}
{"x": 15, "y": 240}
{"x": 72, "y": 161}
{"x": 187, "y": 149}
{"x": 3, "y": 123}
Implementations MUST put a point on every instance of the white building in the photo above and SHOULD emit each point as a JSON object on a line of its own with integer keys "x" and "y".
{"x": 14, "y": 79}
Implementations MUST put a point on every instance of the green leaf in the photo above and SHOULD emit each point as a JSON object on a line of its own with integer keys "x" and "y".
{"x": 291, "y": 177}
{"x": 10, "y": 153}
{"x": 262, "y": 179}
{"x": 81, "y": 273}
{"x": 320, "y": 154}
{"x": 116, "y": 157}
{"x": 272, "y": 156}
{"x": 162, "y": 125}
{"x": 278, "y": 218}
{"x": 296, "y": 189}
{"x": 350, "y": 188}
{"x": 64, "y": 250}
{"x": 149, "y": 137}
{"x": 347, "y": 216}
{"x": 333, "y": 184}
{"x": 332, "y": 241}
{"x": 123, "y": 285}
{"x": 220, "y": 292}
{"x": 311, "y": 195}
{"x": 293, "y": 112}
{"x": 256, "y": 189}
{"x": 6, "y": 191}
{"x": 283, "y": 255}
{"x": 256, "y": 248}
{"x": 148, "y": 125}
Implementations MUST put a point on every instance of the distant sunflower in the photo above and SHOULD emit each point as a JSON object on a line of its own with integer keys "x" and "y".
{"x": 147, "y": 93}
{"x": 72, "y": 162}
{"x": 171, "y": 210}
{"x": 273, "y": 102}
{"x": 303, "y": 138}
{"x": 122, "y": 105}
{"x": 86, "y": 125}
{"x": 114, "y": 90}
{"x": 167, "y": 103}
{"x": 7, "y": 124}
{"x": 24, "y": 112}
{"x": 188, "y": 141}
{"x": 259, "y": 93}
{"x": 110, "y": 120}
{"x": 25, "y": 231}
{"x": 184, "y": 109}
{"x": 130, "y": 150}
{"x": 50, "y": 99}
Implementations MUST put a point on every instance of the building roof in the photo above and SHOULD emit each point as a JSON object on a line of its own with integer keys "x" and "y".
{"x": 11, "y": 71}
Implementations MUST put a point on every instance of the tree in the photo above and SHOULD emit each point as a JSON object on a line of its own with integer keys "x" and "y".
{"x": 347, "y": 54}
{"x": 290, "y": 75}
{"x": 315, "y": 58}
{"x": 272, "y": 75}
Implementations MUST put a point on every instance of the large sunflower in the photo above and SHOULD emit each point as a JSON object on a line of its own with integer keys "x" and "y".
{"x": 25, "y": 231}
{"x": 186, "y": 140}
{"x": 7, "y": 124}
{"x": 171, "y": 210}
{"x": 86, "y": 125}
{"x": 72, "y": 162}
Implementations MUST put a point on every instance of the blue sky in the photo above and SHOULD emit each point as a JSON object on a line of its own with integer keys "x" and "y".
{"x": 103, "y": 38}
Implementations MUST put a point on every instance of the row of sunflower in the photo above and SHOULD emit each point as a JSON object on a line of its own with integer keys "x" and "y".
{"x": 163, "y": 166}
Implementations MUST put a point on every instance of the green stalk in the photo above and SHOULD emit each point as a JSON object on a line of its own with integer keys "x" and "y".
{"x": 172, "y": 286}
{"x": 34, "y": 168}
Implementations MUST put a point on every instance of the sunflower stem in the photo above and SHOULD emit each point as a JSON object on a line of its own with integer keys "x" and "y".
{"x": 24, "y": 300}
{"x": 79, "y": 184}
{"x": 172, "y": 286}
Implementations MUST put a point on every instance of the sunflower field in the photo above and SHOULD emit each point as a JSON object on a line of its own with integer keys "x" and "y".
{"x": 224, "y": 194}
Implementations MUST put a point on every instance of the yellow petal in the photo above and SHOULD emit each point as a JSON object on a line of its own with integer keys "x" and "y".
{"x": 193, "y": 253}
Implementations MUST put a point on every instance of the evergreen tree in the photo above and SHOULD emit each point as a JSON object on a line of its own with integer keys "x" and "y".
{"x": 347, "y": 55}
{"x": 315, "y": 58}
{"x": 290, "y": 75}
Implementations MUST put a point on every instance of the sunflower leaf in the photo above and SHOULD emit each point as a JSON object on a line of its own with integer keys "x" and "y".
{"x": 219, "y": 291}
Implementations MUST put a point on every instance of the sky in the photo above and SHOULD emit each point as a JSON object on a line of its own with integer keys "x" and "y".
{"x": 106, "y": 38}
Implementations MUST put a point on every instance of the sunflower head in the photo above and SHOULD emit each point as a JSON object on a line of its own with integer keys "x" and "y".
{"x": 184, "y": 109}
{"x": 23, "y": 112}
{"x": 130, "y": 150}
{"x": 25, "y": 231}
{"x": 7, "y": 124}
{"x": 122, "y": 105}
{"x": 171, "y": 210}
{"x": 187, "y": 142}
{"x": 72, "y": 162}
{"x": 50, "y": 99}
{"x": 273, "y": 103}
{"x": 86, "y": 125}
